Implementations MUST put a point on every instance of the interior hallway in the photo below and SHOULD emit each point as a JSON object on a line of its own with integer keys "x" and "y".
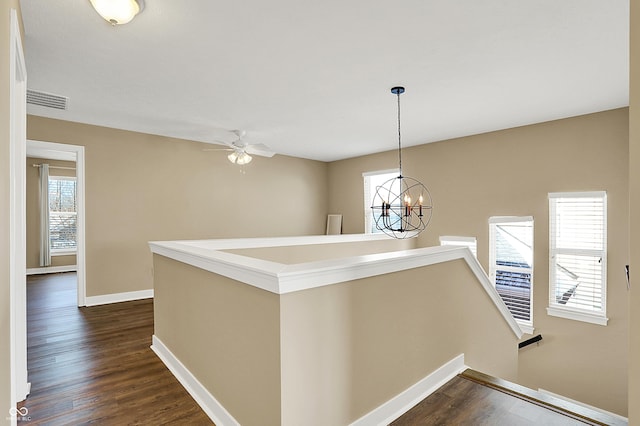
{"x": 94, "y": 364}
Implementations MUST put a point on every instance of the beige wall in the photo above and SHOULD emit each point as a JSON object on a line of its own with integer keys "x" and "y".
{"x": 355, "y": 345}
{"x": 328, "y": 355}
{"x": 226, "y": 334}
{"x": 33, "y": 211}
{"x": 634, "y": 219}
{"x": 511, "y": 172}
{"x": 5, "y": 180}
{"x": 142, "y": 188}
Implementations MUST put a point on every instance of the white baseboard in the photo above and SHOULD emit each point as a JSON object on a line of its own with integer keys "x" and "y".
{"x": 404, "y": 401}
{"x": 582, "y": 404}
{"x": 105, "y": 299}
{"x": 383, "y": 415}
{"x": 52, "y": 269}
{"x": 205, "y": 400}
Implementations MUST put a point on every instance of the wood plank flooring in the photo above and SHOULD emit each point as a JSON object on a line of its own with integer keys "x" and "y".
{"x": 462, "y": 401}
{"x": 94, "y": 366}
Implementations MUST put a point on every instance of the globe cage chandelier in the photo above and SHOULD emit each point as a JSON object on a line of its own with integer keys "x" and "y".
{"x": 402, "y": 206}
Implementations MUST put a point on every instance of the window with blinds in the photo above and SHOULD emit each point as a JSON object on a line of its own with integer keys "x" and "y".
{"x": 578, "y": 256}
{"x": 62, "y": 214}
{"x": 511, "y": 265}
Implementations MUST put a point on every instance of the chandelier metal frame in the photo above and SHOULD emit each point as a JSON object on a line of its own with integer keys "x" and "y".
{"x": 402, "y": 206}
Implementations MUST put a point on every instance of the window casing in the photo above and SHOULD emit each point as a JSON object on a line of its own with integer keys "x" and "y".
{"x": 578, "y": 256}
{"x": 511, "y": 265}
{"x": 62, "y": 215}
{"x": 372, "y": 180}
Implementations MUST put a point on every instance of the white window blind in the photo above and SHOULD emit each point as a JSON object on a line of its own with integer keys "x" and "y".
{"x": 578, "y": 256}
{"x": 470, "y": 242}
{"x": 372, "y": 180}
{"x": 62, "y": 213}
{"x": 511, "y": 265}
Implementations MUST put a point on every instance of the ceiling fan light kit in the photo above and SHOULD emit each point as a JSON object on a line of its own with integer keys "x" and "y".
{"x": 239, "y": 157}
{"x": 402, "y": 206}
{"x": 118, "y": 12}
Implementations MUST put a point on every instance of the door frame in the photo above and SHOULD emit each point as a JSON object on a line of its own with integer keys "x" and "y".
{"x": 60, "y": 151}
{"x": 20, "y": 386}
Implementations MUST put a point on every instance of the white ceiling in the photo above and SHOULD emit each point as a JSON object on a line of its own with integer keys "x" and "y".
{"x": 311, "y": 79}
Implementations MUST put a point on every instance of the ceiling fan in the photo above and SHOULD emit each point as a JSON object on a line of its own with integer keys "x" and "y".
{"x": 241, "y": 151}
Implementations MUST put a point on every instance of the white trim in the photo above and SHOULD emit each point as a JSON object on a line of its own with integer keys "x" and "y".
{"x": 52, "y": 269}
{"x": 105, "y": 299}
{"x": 405, "y": 400}
{"x": 488, "y": 286}
{"x": 504, "y": 219}
{"x": 457, "y": 239}
{"x": 52, "y": 153}
{"x": 19, "y": 385}
{"x": 567, "y": 312}
{"x": 216, "y": 412}
{"x": 41, "y": 149}
{"x": 526, "y": 328}
{"x": 582, "y": 404}
{"x": 368, "y": 198}
{"x": 380, "y": 172}
{"x": 578, "y": 194}
{"x": 494, "y": 221}
{"x": 63, "y": 252}
{"x": 281, "y": 279}
{"x": 577, "y": 316}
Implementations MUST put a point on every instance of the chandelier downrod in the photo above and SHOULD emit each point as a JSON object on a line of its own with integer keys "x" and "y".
{"x": 398, "y": 90}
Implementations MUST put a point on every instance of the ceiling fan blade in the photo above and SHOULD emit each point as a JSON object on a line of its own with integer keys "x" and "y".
{"x": 259, "y": 149}
{"x": 218, "y": 149}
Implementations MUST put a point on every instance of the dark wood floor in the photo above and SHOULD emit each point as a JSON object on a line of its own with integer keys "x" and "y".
{"x": 94, "y": 366}
{"x": 462, "y": 401}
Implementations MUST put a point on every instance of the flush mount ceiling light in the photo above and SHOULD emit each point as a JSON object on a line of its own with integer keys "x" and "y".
{"x": 402, "y": 206}
{"x": 118, "y": 12}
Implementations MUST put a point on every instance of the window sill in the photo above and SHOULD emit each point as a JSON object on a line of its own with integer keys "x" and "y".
{"x": 577, "y": 316}
{"x": 64, "y": 252}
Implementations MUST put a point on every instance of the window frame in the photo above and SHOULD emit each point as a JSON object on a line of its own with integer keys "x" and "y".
{"x": 526, "y": 326}
{"x": 554, "y": 308}
{"x": 366, "y": 180}
{"x": 66, "y": 251}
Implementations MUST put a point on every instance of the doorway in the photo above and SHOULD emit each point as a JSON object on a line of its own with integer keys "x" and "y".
{"x": 73, "y": 153}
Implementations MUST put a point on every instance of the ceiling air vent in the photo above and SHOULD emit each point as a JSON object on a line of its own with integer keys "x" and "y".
{"x": 47, "y": 100}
